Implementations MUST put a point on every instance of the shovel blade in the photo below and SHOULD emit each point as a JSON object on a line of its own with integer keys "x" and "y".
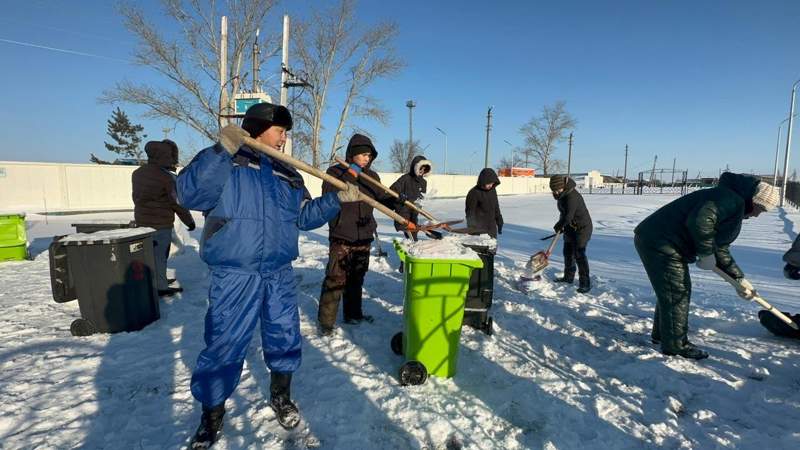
{"x": 538, "y": 262}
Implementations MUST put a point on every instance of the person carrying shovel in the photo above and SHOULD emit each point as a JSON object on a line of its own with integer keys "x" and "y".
{"x": 413, "y": 186}
{"x": 575, "y": 224}
{"x": 254, "y": 205}
{"x": 350, "y": 234}
{"x": 698, "y": 227}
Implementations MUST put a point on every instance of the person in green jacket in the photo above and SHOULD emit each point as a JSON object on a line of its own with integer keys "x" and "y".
{"x": 698, "y": 227}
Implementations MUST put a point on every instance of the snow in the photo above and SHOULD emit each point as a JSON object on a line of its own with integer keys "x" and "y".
{"x": 449, "y": 247}
{"x": 562, "y": 371}
{"x": 106, "y": 236}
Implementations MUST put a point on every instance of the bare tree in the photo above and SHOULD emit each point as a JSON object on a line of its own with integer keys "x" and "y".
{"x": 327, "y": 44}
{"x": 400, "y": 155}
{"x": 542, "y": 133}
{"x": 190, "y": 62}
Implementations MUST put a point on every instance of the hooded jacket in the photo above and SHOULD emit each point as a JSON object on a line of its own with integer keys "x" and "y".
{"x": 573, "y": 214}
{"x": 355, "y": 223}
{"x": 703, "y": 222}
{"x": 413, "y": 186}
{"x": 154, "y": 197}
{"x": 482, "y": 208}
{"x": 254, "y": 206}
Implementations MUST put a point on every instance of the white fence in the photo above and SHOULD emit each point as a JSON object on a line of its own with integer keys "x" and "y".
{"x": 52, "y": 187}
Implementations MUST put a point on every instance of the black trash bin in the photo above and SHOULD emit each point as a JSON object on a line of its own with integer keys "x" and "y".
{"x": 481, "y": 291}
{"x": 114, "y": 278}
{"x": 91, "y": 227}
{"x": 60, "y": 282}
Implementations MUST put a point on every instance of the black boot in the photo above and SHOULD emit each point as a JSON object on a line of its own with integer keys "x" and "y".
{"x": 565, "y": 279}
{"x": 689, "y": 351}
{"x": 287, "y": 413}
{"x": 584, "y": 286}
{"x": 210, "y": 427}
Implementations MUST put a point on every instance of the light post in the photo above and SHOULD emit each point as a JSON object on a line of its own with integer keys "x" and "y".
{"x": 444, "y": 169}
{"x": 788, "y": 143}
{"x": 410, "y": 104}
{"x": 777, "y": 150}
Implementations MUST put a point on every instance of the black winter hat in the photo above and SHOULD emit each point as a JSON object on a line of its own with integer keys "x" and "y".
{"x": 261, "y": 116}
{"x": 558, "y": 182}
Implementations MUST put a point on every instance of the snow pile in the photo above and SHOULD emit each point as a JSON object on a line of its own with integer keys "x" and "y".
{"x": 482, "y": 240}
{"x": 106, "y": 236}
{"x": 449, "y": 247}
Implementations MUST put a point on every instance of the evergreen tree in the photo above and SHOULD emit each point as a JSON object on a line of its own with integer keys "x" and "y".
{"x": 127, "y": 137}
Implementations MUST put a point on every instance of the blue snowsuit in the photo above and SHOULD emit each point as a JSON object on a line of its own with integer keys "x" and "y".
{"x": 254, "y": 208}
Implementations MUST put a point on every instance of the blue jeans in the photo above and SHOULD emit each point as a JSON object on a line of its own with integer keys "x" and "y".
{"x": 162, "y": 240}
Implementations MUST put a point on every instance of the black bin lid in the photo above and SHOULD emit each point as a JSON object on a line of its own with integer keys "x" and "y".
{"x": 108, "y": 236}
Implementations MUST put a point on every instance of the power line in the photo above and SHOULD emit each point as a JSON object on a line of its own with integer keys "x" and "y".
{"x": 63, "y": 50}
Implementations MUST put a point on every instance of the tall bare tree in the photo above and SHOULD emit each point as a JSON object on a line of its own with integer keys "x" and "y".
{"x": 542, "y": 133}
{"x": 400, "y": 155}
{"x": 190, "y": 61}
{"x": 332, "y": 51}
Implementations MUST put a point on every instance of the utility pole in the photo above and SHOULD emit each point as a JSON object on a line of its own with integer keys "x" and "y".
{"x": 672, "y": 182}
{"x": 444, "y": 171}
{"x": 223, "y": 71}
{"x": 410, "y": 104}
{"x": 256, "y": 53}
{"x": 488, "y": 129}
{"x": 625, "y": 173}
{"x": 285, "y": 62}
{"x": 166, "y": 132}
{"x": 788, "y": 143}
{"x": 569, "y": 157}
{"x": 653, "y": 172}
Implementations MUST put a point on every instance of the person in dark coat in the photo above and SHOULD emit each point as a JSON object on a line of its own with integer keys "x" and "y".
{"x": 482, "y": 208}
{"x": 698, "y": 227}
{"x": 156, "y": 203}
{"x": 350, "y": 234}
{"x": 255, "y": 207}
{"x": 413, "y": 186}
{"x": 575, "y": 224}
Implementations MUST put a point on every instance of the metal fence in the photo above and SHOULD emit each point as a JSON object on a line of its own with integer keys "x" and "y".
{"x": 793, "y": 193}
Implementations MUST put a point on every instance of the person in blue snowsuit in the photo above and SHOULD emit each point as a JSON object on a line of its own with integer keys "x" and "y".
{"x": 254, "y": 207}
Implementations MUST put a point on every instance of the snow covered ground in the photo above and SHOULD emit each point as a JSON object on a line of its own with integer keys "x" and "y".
{"x": 562, "y": 371}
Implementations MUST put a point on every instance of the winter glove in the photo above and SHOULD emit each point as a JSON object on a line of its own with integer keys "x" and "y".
{"x": 349, "y": 195}
{"x": 402, "y": 198}
{"x": 746, "y": 291}
{"x": 791, "y": 272}
{"x": 707, "y": 262}
{"x": 191, "y": 226}
{"x": 558, "y": 227}
{"x": 232, "y": 137}
{"x": 354, "y": 170}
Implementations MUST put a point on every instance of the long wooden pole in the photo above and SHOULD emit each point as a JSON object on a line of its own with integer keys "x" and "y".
{"x": 380, "y": 185}
{"x": 339, "y": 184}
{"x": 756, "y": 298}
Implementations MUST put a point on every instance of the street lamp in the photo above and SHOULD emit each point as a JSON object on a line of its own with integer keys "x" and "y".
{"x": 788, "y": 143}
{"x": 444, "y": 169}
{"x": 410, "y": 104}
{"x": 514, "y": 159}
{"x": 777, "y": 149}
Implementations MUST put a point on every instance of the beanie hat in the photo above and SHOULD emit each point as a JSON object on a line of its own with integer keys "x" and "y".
{"x": 766, "y": 196}
{"x": 558, "y": 182}
{"x": 261, "y": 116}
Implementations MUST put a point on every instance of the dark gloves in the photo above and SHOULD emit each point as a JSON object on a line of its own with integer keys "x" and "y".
{"x": 791, "y": 272}
{"x": 191, "y": 226}
{"x": 558, "y": 227}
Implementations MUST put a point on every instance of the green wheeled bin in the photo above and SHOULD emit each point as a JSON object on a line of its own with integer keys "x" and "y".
{"x": 433, "y": 308}
{"x": 13, "y": 238}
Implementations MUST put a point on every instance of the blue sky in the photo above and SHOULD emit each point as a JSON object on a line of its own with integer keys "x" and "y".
{"x": 706, "y": 82}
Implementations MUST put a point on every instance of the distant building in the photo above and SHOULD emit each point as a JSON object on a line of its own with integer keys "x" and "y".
{"x": 516, "y": 172}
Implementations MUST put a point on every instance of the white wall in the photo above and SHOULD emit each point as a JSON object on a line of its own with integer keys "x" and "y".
{"x": 40, "y": 187}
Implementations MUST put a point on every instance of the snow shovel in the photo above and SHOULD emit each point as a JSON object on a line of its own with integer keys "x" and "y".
{"x": 541, "y": 259}
{"x": 756, "y": 298}
{"x": 339, "y": 184}
{"x": 411, "y": 205}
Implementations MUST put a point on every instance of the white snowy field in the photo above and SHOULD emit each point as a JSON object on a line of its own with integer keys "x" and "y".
{"x": 562, "y": 371}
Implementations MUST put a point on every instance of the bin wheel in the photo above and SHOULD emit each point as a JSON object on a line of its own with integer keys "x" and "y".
{"x": 413, "y": 373}
{"x": 397, "y": 343}
{"x": 82, "y": 327}
{"x": 488, "y": 327}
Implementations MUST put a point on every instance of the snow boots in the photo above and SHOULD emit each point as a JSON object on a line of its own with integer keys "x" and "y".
{"x": 287, "y": 413}
{"x": 689, "y": 351}
{"x": 210, "y": 427}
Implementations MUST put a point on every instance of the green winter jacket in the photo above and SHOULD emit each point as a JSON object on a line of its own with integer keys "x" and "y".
{"x": 702, "y": 223}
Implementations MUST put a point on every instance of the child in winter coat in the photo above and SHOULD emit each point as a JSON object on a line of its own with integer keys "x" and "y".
{"x": 575, "y": 224}
{"x": 482, "y": 208}
{"x": 413, "y": 186}
{"x": 698, "y": 227}
{"x": 255, "y": 207}
{"x": 350, "y": 234}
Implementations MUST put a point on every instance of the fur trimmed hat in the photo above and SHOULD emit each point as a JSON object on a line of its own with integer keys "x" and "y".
{"x": 766, "y": 196}
{"x": 261, "y": 116}
{"x": 423, "y": 168}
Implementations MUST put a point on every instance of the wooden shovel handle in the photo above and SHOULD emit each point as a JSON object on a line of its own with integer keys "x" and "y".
{"x": 757, "y": 298}
{"x": 337, "y": 183}
{"x": 389, "y": 191}
{"x": 552, "y": 244}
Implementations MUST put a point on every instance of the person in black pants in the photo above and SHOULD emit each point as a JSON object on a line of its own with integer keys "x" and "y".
{"x": 576, "y": 225}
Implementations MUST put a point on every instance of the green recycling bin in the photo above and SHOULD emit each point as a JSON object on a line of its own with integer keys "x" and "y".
{"x": 13, "y": 238}
{"x": 433, "y": 308}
